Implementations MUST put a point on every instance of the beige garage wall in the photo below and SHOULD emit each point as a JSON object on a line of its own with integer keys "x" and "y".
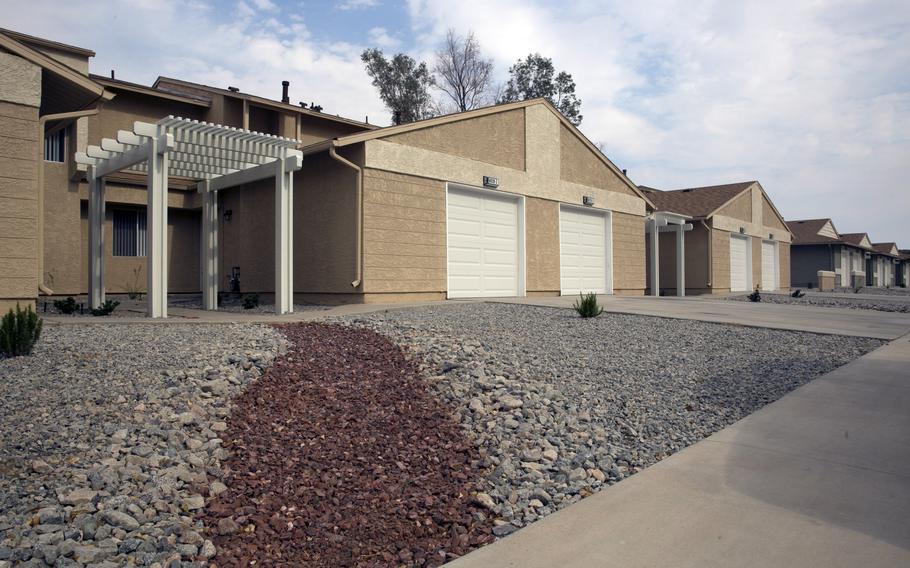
{"x": 784, "y": 253}
{"x": 579, "y": 165}
{"x": 404, "y": 233}
{"x": 542, "y": 246}
{"x": 494, "y": 139}
{"x": 18, "y": 203}
{"x": 739, "y": 208}
{"x": 628, "y": 254}
{"x": 720, "y": 242}
{"x": 769, "y": 217}
{"x": 756, "y": 262}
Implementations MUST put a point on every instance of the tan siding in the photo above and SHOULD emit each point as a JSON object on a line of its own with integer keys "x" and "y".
{"x": 18, "y": 203}
{"x": 579, "y": 165}
{"x": 756, "y": 262}
{"x": 628, "y": 253}
{"x": 495, "y": 138}
{"x": 720, "y": 241}
{"x": 411, "y": 257}
{"x": 769, "y": 217}
{"x": 542, "y": 246}
{"x": 739, "y": 208}
{"x": 784, "y": 252}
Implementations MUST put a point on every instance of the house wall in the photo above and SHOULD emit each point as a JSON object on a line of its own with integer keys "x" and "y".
{"x": 806, "y": 261}
{"x": 581, "y": 166}
{"x": 20, "y": 97}
{"x": 756, "y": 262}
{"x": 405, "y": 182}
{"x": 720, "y": 247}
{"x": 739, "y": 208}
{"x": 784, "y": 254}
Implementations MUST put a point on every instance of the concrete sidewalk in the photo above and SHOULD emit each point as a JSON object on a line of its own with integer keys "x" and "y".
{"x": 819, "y": 478}
{"x": 842, "y": 321}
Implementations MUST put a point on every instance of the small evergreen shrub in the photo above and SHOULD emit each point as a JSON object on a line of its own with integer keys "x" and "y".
{"x": 106, "y": 309}
{"x": 798, "y": 293}
{"x": 250, "y": 301}
{"x": 755, "y": 296}
{"x": 19, "y": 331}
{"x": 587, "y": 307}
{"x": 67, "y": 306}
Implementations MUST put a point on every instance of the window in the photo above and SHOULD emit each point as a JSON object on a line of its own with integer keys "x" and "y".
{"x": 55, "y": 146}
{"x": 129, "y": 232}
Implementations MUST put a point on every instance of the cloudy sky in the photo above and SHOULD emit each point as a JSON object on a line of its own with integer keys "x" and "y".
{"x": 810, "y": 97}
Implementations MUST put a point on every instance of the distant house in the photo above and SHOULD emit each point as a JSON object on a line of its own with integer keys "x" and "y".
{"x": 903, "y": 268}
{"x": 738, "y": 240}
{"x": 884, "y": 263}
{"x": 817, "y": 246}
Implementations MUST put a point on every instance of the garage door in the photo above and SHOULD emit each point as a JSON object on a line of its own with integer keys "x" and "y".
{"x": 483, "y": 244}
{"x": 768, "y": 265}
{"x": 583, "y": 251}
{"x": 739, "y": 263}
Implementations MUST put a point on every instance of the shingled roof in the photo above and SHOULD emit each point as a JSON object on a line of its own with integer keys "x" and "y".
{"x": 855, "y": 239}
{"x": 886, "y": 248}
{"x": 806, "y": 232}
{"x": 696, "y": 202}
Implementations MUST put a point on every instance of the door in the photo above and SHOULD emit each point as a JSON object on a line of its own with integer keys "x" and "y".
{"x": 739, "y": 263}
{"x": 769, "y": 266}
{"x": 484, "y": 238}
{"x": 584, "y": 264}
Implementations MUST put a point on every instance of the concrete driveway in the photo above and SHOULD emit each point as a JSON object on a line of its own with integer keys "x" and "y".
{"x": 842, "y": 321}
{"x": 819, "y": 478}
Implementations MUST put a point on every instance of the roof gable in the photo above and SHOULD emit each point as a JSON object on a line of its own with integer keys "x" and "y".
{"x": 886, "y": 248}
{"x": 857, "y": 239}
{"x": 696, "y": 202}
{"x": 813, "y": 231}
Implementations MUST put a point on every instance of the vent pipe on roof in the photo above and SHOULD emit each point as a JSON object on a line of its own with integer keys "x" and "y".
{"x": 624, "y": 172}
{"x": 284, "y": 92}
{"x": 234, "y": 89}
{"x": 112, "y": 74}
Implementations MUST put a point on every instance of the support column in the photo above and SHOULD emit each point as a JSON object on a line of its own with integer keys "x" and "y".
{"x": 681, "y": 259}
{"x": 209, "y": 249}
{"x": 96, "y": 210}
{"x": 284, "y": 238}
{"x": 655, "y": 257}
{"x": 156, "y": 231}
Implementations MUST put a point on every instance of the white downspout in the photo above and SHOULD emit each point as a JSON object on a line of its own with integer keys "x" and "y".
{"x": 358, "y": 215}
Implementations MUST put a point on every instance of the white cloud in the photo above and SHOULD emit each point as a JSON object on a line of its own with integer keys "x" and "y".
{"x": 201, "y": 43}
{"x": 380, "y": 37}
{"x": 266, "y": 5}
{"x": 811, "y": 99}
{"x": 357, "y": 4}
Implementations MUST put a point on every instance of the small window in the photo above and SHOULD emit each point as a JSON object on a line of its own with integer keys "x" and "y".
{"x": 55, "y": 146}
{"x": 129, "y": 232}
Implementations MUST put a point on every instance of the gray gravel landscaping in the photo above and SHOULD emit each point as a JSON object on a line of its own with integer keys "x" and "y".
{"x": 883, "y": 305}
{"x": 109, "y": 440}
{"x": 561, "y": 407}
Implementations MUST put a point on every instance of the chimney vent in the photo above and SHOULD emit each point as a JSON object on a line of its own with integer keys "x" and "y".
{"x": 112, "y": 74}
{"x": 624, "y": 172}
{"x": 234, "y": 89}
{"x": 284, "y": 92}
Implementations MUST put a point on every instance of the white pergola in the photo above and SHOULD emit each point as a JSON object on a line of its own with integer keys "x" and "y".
{"x": 216, "y": 157}
{"x": 663, "y": 222}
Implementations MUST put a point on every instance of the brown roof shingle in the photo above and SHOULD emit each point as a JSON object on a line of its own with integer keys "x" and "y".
{"x": 885, "y": 248}
{"x": 805, "y": 232}
{"x": 854, "y": 238}
{"x": 695, "y": 201}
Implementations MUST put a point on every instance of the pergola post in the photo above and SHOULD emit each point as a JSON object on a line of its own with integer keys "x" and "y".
{"x": 156, "y": 233}
{"x": 96, "y": 216}
{"x": 681, "y": 260}
{"x": 209, "y": 248}
{"x": 284, "y": 237}
{"x": 655, "y": 257}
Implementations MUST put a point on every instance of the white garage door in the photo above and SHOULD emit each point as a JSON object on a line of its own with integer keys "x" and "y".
{"x": 768, "y": 265}
{"x": 583, "y": 251}
{"x": 483, "y": 244}
{"x": 739, "y": 263}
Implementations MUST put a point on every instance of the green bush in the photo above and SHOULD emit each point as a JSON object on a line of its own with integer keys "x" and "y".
{"x": 587, "y": 307}
{"x": 755, "y": 296}
{"x": 250, "y": 301}
{"x": 19, "y": 331}
{"x": 67, "y": 306}
{"x": 106, "y": 309}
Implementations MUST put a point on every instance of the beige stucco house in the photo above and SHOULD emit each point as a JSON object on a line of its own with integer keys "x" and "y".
{"x": 738, "y": 240}
{"x": 502, "y": 201}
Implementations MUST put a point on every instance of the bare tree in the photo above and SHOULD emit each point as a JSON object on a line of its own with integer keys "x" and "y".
{"x": 464, "y": 74}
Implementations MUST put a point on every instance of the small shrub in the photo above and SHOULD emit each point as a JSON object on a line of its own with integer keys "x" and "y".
{"x": 250, "y": 301}
{"x": 798, "y": 293}
{"x": 134, "y": 288}
{"x": 106, "y": 309}
{"x": 19, "y": 331}
{"x": 755, "y": 296}
{"x": 587, "y": 307}
{"x": 67, "y": 306}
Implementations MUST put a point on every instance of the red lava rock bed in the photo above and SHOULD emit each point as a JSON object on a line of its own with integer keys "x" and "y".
{"x": 340, "y": 456}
